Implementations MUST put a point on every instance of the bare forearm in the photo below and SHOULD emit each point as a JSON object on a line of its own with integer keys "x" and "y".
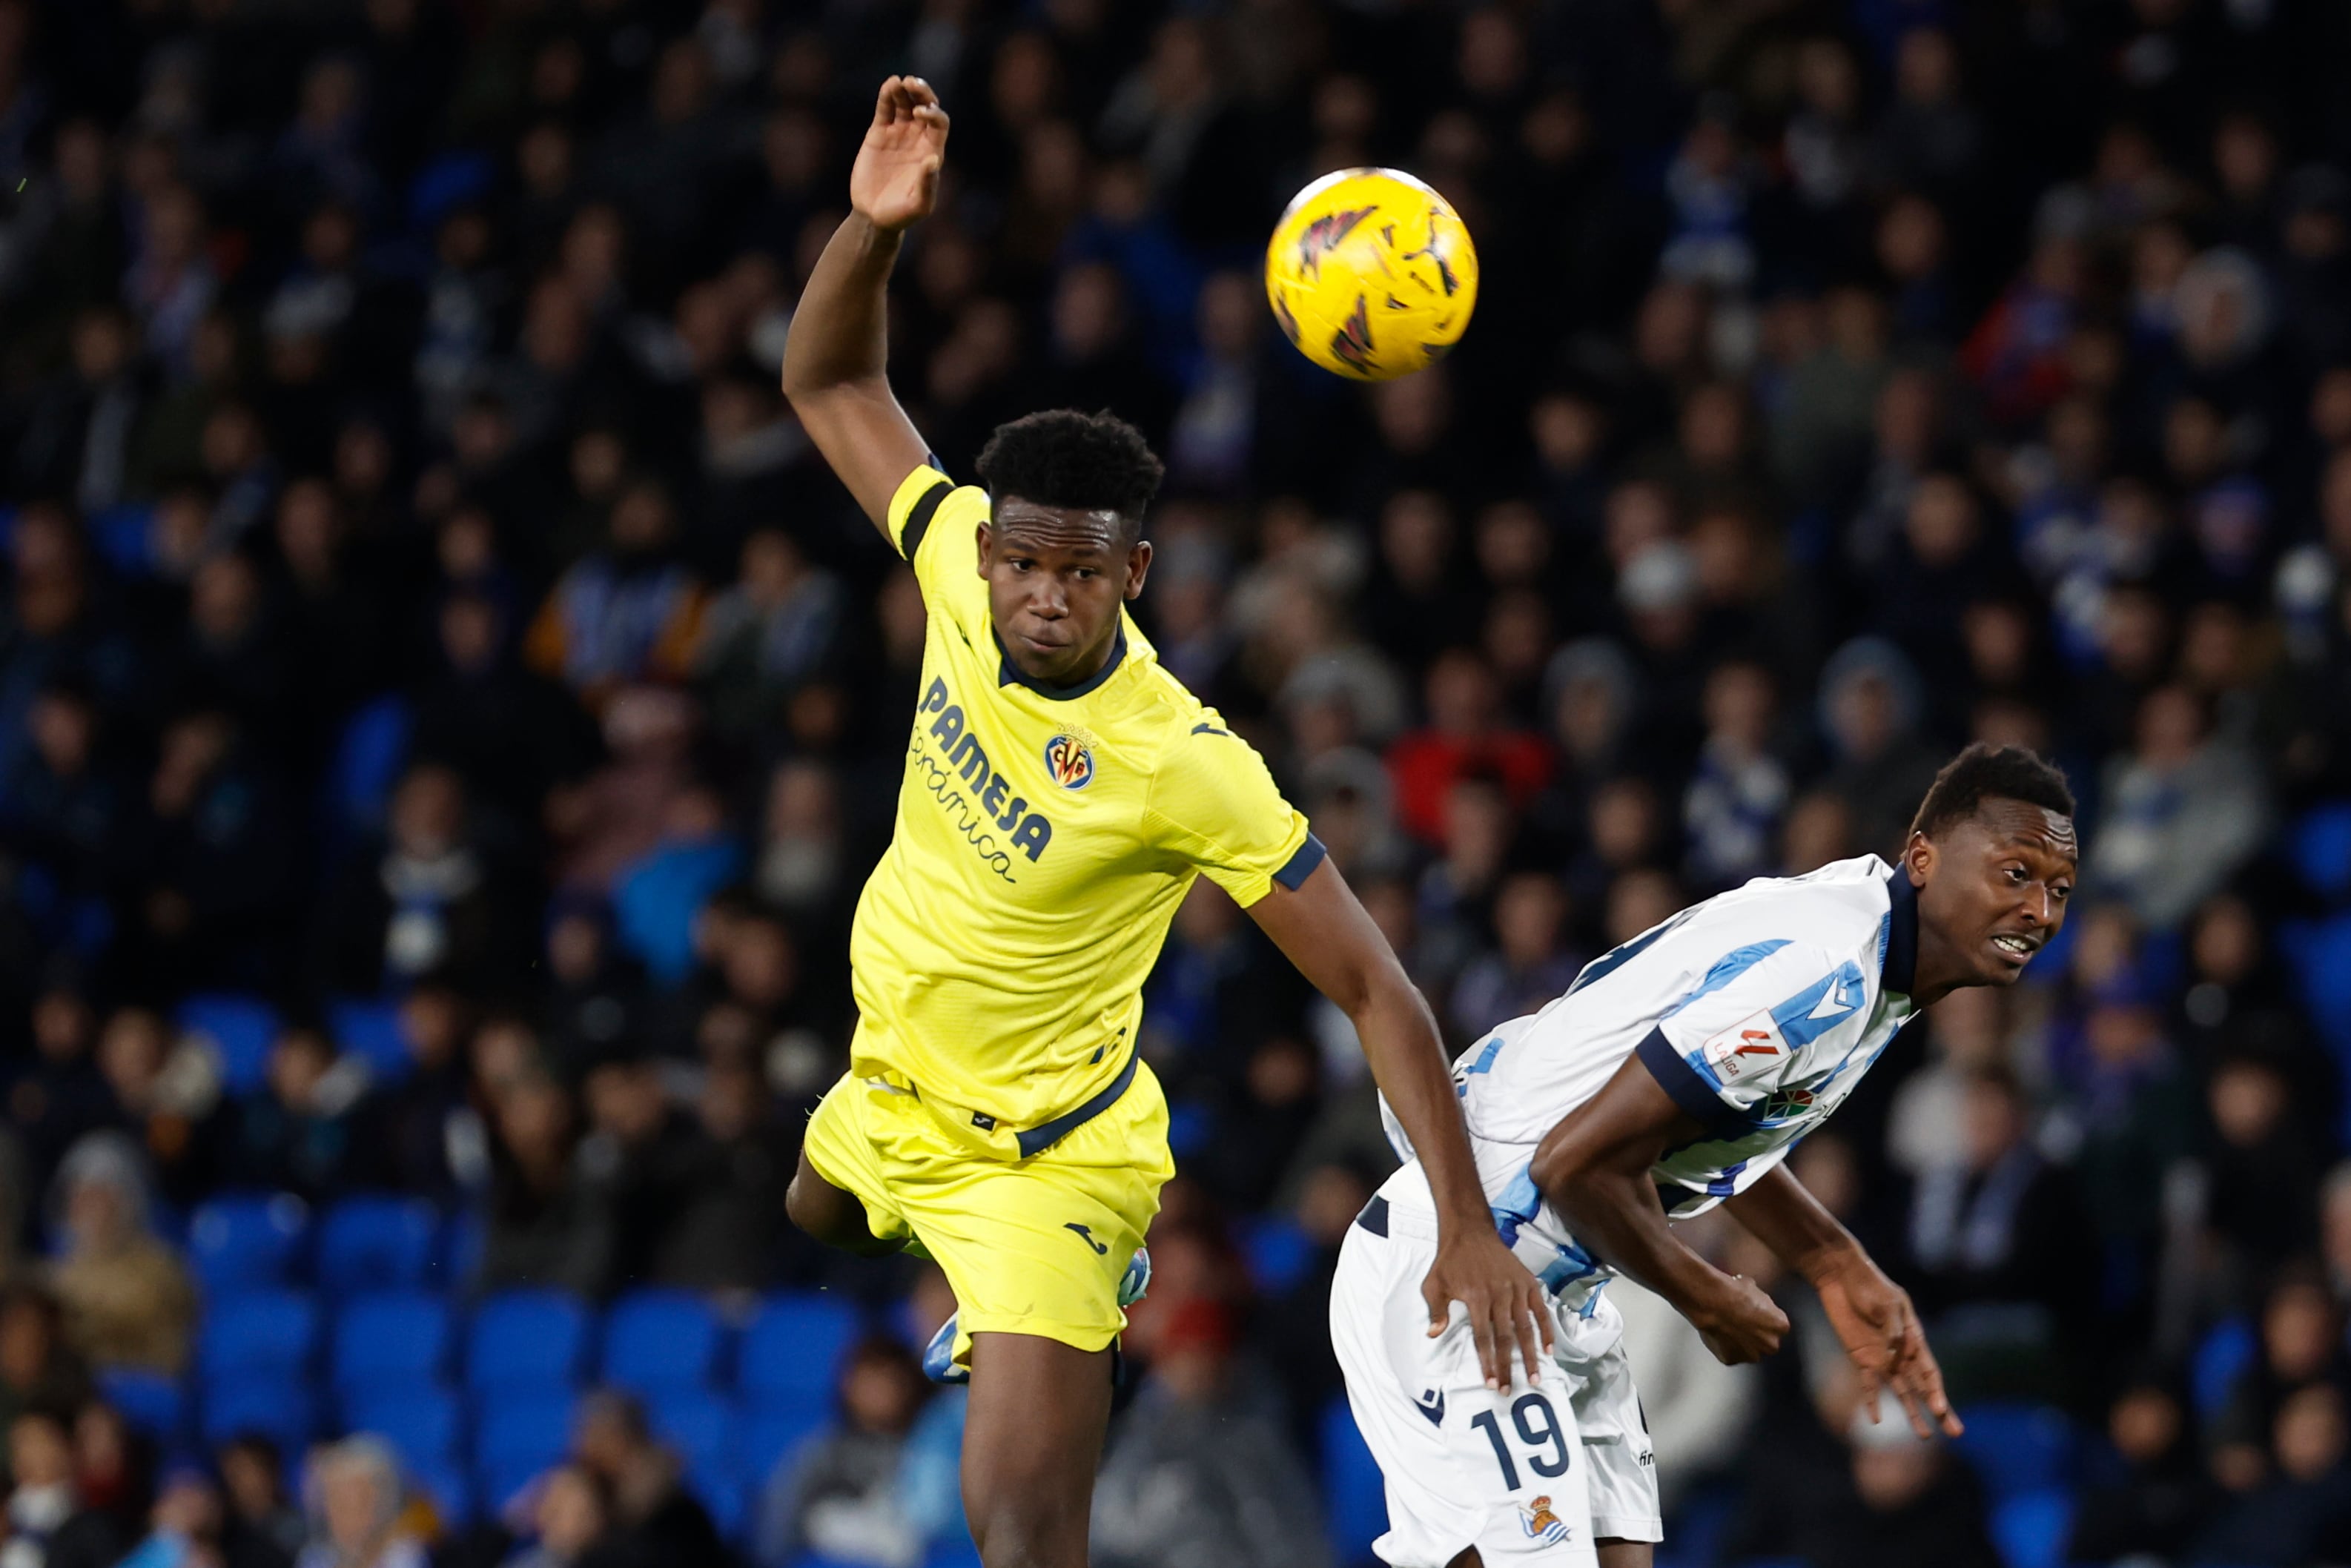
{"x": 840, "y": 333}
{"x": 1407, "y": 1057}
{"x": 1780, "y": 1213}
{"x": 1615, "y": 1215}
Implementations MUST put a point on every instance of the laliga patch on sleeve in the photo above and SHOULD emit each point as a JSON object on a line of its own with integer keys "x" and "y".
{"x": 1747, "y": 1046}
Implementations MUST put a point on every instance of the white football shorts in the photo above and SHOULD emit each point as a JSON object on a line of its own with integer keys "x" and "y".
{"x": 1534, "y": 1475}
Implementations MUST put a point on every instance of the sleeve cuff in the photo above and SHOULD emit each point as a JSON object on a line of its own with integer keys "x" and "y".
{"x": 1682, "y": 1084}
{"x": 1300, "y": 864}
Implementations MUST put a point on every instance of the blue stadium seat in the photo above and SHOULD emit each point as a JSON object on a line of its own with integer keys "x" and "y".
{"x": 2219, "y": 1358}
{"x": 461, "y": 1246}
{"x": 1278, "y": 1254}
{"x": 793, "y": 1349}
{"x": 1354, "y": 1498}
{"x": 952, "y": 1554}
{"x": 367, "y": 761}
{"x": 241, "y": 1028}
{"x": 241, "y": 1240}
{"x": 771, "y": 1434}
{"x": 398, "y": 1339}
{"x": 2320, "y": 844}
{"x": 377, "y": 1242}
{"x": 516, "y": 1435}
{"x": 660, "y": 1340}
{"x": 370, "y": 1031}
{"x": 258, "y": 1335}
{"x": 2017, "y": 1448}
{"x": 284, "y": 1410}
{"x": 425, "y": 1423}
{"x": 123, "y": 535}
{"x": 701, "y": 1426}
{"x": 525, "y": 1340}
{"x": 152, "y": 1403}
{"x": 2031, "y": 1529}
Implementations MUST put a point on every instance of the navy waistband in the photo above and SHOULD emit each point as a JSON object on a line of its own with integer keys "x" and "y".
{"x": 1045, "y": 1135}
{"x": 1375, "y": 1218}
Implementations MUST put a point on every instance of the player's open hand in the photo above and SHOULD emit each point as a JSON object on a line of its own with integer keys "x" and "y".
{"x": 1879, "y": 1328}
{"x": 896, "y": 181}
{"x": 1745, "y": 1326}
{"x": 1507, "y": 1305}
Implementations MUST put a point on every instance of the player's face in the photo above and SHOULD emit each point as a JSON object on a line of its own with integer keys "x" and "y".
{"x": 1992, "y": 890}
{"x": 1056, "y": 579}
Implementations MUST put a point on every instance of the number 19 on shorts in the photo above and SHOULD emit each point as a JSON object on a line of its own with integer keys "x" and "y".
{"x": 1541, "y": 1436}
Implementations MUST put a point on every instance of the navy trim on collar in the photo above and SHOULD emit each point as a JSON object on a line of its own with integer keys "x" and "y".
{"x": 1007, "y": 673}
{"x": 1897, "y": 964}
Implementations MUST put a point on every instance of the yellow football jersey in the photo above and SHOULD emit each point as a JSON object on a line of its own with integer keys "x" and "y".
{"x": 1044, "y": 839}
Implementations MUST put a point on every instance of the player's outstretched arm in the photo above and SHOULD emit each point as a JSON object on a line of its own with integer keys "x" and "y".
{"x": 1327, "y": 933}
{"x": 1593, "y": 1167}
{"x": 1873, "y": 1315}
{"x": 835, "y": 359}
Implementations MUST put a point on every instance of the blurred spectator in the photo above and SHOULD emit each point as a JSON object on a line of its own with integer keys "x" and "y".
{"x": 2182, "y": 811}
{"x": 356, "y": 1512}
{"x": 836, "y": 1494}
{"x": 762, "y": 639}
{"x": 2301, "y": 1347}
{"x": 264, "y": 1529}
{"x": 2303, "y": 1512}
{"x": 1197, "y": 1472}
{"x": 1529, "y": 963}
{"x": 127, "y": 1299}
{"x": 38, "y": 1369}
{"x": 1898, "y": 1498}
{"x": 302, "y": 1132}
{"x": 185, "y": 1525}
{"x": 549, "y": 1218}
{"x": 2146, "y": 1490}
{"x": 48, "y": 1525}
{"x": 1739, "y": 789}
{"x": 628, "y": 612}
{"x": 1995, "y": 1239}
{"x": 571, "y": 1523}
{"x": 427, "y": 903}
{"x": 659, "y": 1523}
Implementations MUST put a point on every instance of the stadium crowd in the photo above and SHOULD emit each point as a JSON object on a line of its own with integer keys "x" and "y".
{"x": 447, "y": 712}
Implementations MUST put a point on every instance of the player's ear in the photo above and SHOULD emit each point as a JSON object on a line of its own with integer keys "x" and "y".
{"x": 986, "y": 541}
{"x": 1138, "y": 566}
{"x": 1918, "y": 857}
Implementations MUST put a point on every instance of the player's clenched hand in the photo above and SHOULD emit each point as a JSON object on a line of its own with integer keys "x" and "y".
{"x": 895, "y": 180}
{"x": 1507, "y": 1305}
{"x": 1743, "y": 1325}
{"x": 1879, "y": 1328}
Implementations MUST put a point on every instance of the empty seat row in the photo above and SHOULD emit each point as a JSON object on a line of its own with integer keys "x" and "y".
{"x": 372, "y": 1241}
{"x": 648, "y": 1341}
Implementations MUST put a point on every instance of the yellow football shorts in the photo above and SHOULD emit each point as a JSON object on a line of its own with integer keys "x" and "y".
{"x": 1032, "y": 1245}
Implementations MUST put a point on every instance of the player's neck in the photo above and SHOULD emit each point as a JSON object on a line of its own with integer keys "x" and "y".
{"x": 1938, "y": 971}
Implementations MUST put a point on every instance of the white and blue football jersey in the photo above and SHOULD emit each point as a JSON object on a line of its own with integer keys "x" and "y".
{"x": 1756, "y": 1011}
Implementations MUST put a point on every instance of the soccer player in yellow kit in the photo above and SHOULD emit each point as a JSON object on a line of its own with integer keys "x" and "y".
{"x": 1061, "y": 791}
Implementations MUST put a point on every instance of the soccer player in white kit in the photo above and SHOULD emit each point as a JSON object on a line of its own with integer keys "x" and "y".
{"x": 1676, "y": 1074}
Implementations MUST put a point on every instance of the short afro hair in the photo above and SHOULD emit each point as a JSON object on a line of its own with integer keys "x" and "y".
{"x": 1985, "y": 772}
{"x": 1085, "y": 462}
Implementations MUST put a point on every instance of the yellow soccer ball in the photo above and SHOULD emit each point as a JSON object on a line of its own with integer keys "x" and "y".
{"x": 1371, "y": 274}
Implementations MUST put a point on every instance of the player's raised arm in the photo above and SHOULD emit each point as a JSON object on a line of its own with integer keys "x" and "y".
{"x": 835, "y": 359}
{"x": 1593, "y": 1167}
{"x": 1327, "y": 933}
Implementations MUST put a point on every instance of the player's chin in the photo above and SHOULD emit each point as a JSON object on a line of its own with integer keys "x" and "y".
{"x": 2001, "y": 967}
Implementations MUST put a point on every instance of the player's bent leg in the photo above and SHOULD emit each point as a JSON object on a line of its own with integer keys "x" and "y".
{"x": 837, "y": 1218}
{"x": 1032, "y": 1443}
